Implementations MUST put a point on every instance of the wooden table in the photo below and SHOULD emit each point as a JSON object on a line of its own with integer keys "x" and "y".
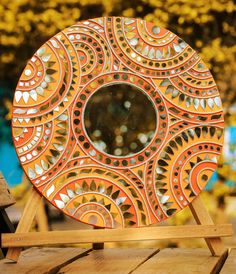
{"x": 76, "y": 260}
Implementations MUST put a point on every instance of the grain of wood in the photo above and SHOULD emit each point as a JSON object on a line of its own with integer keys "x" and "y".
{"x": 108, "y": 261}
{"x": 230, "y": 265}
{"x": 202, "y": 217}
{"x": 115, "y": 235}
{"x": 25, "y": 222}
{"x": 97, "y": 246}
{"x": 41, "y": 217}
{"x": 179, "y": 261}
{"x": 42, "y": 260}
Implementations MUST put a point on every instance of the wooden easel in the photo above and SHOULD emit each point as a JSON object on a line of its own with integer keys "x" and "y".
{"x": 205, "y": 229}
{"x": 6, "y": 200}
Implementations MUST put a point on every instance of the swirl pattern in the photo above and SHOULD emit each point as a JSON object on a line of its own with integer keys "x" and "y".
{"x": 63, "y": 163}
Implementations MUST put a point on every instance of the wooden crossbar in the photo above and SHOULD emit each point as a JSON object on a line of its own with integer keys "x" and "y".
{"x": 115, "y": 235}
{"x": 205, "y": 228}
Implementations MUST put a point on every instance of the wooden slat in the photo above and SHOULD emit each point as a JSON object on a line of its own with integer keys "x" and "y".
{"x": 202, "y": 217}
{"x": 230, "y": 264}
{"x": 25, "y": 222}
{"x": 1, "y": 254}
{"x": 6, "y": 226}
{"x": 97, "y": 246}
{"x": 42, "y": 260}
{"x": 6, "y": 199}
{"x": 180, "y": 261}
{"x": 115, "y": 235}
{"x": 41, "y": 217}
{"x": 109, "y": 261}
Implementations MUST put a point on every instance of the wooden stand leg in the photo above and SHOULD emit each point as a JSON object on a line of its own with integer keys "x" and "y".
{"x": 97, "y": 246}
{"x": 41, "y": 217}
{"x": 202, "y": 217}
{"x": 25, "y": 222}
{"x": 6, "y": 226}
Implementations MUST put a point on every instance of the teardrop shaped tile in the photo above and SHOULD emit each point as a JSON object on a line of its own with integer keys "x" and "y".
{"x": 70, "y": 193}
{"x": 18, "y": 95}
{"x": 63, "y": 117}
{"x": 196, "y": 103}
{"x": 31, "y": 173}
{"x": 145, "y": 51}
{"x": 133, "y": 41}
{"x": 64, "y": 198}
{"x": 46, "y": 57}
{"x": 40, "y": 91}
{"x": 210, "y": 102}
{"x": 217, "y": 101}
{"x": 203, "y": 103}
{"x": 151, "y": 53}
{"x": 165, "y": 82}
{"x": 44, "y": 165}
{"x": 33, "y": 95}
{"x": 158, "y": 54}
{"x": 26, "y": 96}
{"x": 32, "y": 111}
{"x": 169, "y": 89}
{"x": 55, "y": 44}
{"x": 50, "y": 190}
{"x": 128, "y": 21}
{"x": 38, "y": 169}
{"x": 58, "y": 147}
{"x": 189, "y": 101}
{"x": 41, "y": 51}
{"x": 177, "y": 48}
{"x": 164, "y": 199}
{"x": 120, "y": 200}
{"x": 59, "y": 204}
{"x": 175, "y": 93}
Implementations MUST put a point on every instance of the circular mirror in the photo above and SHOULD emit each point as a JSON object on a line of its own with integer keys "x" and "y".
{"x": 119, "y": 124}
{"x": 120, "y": 120}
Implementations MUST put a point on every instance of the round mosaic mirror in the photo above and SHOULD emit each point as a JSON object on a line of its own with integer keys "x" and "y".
{"x": 117, "y": 122}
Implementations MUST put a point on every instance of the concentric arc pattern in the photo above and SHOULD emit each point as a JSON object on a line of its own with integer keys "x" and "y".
{"x": 64, "y": 165}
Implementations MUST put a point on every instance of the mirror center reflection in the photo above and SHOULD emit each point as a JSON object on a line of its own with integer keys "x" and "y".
{"x": 120, "y": 120}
